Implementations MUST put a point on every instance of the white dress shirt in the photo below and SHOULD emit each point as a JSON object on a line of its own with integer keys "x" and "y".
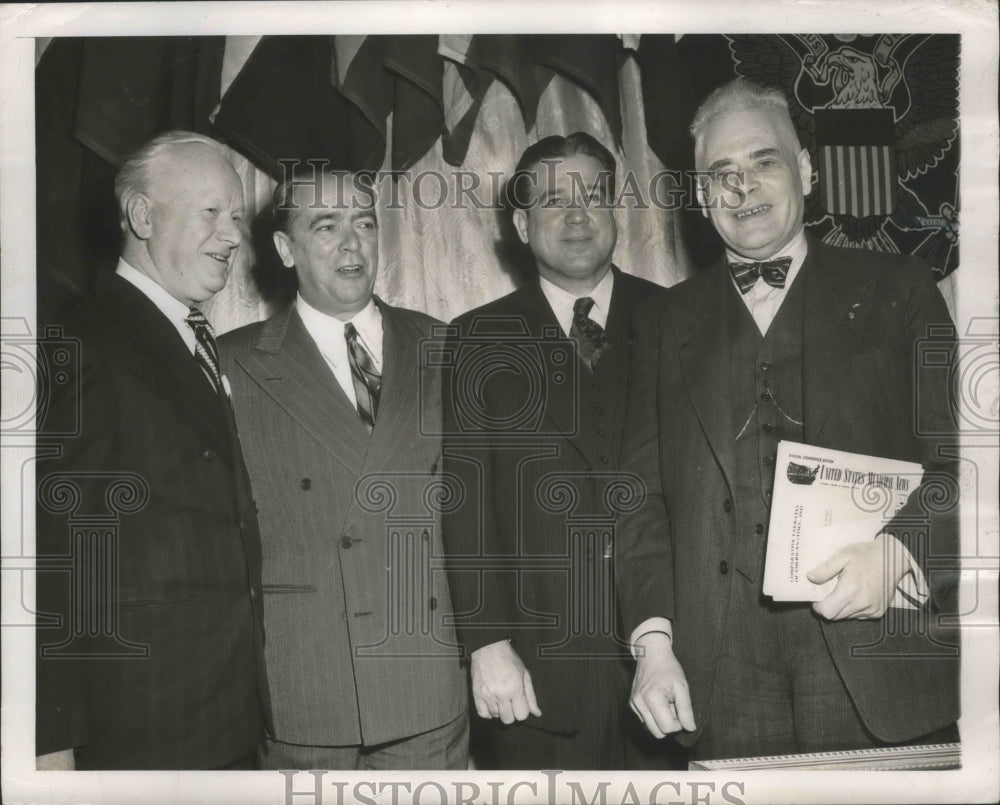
{"x": 328, "y": 333}
{"x": 763, "y": 302}
{"x": 562, "y": 301}
{"x": 175, "y": 310}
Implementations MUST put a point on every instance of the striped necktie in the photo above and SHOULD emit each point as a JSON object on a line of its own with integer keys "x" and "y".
{"x": 591, "y": 340}
{"x": 773, "y": 272}
{"x": 205, "y": 350}
{"x": 367, "y": 381}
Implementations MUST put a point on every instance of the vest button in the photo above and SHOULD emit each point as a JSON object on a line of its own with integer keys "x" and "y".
{"x": 765, "y": 365}
{"x": 209, "y": 454}
{"x": 605, "y": 459}
{"x": 727, "y": 504}
{"x": 759, "y": 528}
{"x": 346, "y": 542}
{"x": 768, "y": 460}
{"x": 723, "y": 567}
{"x": 433, "y": 603}
{"x": 601, "y": 433}
{"x": 305, "y": 484}
{"x": 434, "y": 468}
{"x": 765, "y": 396}
{"x": 597, "y": 386}
{"x": 767, "y": 427}
{"x": 598, "y": 409}
{"x": 767, "y": 494}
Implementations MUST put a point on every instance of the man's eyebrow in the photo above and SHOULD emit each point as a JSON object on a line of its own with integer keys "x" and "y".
{"x": 719, "y": 163}
{"x": 765, "y": 152}
{"x": 324, "y": 217}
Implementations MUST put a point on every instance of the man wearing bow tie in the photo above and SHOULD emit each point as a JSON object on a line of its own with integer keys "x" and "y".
{"x": 535, "y": 419}
{"x": 788, "y": 338}
{"x": 342, "y": 438}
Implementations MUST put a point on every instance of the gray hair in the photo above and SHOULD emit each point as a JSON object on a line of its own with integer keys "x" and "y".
{"x": 133, "y": 176}
{"x": 739, "y": 95}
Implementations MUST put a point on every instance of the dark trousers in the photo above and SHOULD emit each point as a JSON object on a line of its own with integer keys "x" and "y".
{"x": 777, "y": 690}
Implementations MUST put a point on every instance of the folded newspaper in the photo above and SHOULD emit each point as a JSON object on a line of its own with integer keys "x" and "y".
{"x": 824, "y": 500}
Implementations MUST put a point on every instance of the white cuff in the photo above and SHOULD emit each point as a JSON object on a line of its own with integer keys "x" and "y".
{"x": 912, "y": 591}
{"x": 651, "y": 625}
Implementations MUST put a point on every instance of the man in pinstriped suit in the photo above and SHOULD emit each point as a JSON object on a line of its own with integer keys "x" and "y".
{"x": 365, "y": 674}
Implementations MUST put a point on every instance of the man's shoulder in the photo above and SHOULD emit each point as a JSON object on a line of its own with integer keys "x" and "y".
{"x": 513, "y": 304}
{"x": 865, "y": 263}
{"x": 410, "y": 317}
{"x": 241, "y": 340}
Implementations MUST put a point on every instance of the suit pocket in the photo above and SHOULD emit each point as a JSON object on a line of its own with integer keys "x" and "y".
{"x": 284, "y": 589}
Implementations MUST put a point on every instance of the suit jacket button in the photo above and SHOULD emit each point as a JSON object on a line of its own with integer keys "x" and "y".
{"x": 426, "y": 534}
{"x": 305, "y": 484}
{"x": 605, "y": 459}
{"x": 723, "y": 567}
{"x": 727, "y": 504}
{"x": 601, "y": 432}
{"x": 209, "y": 454}
{"x": 346, "y": 542}
{"x": 433, "y": 603}
{"x": 434, "y": 468}
{"x": 759, "y": 528}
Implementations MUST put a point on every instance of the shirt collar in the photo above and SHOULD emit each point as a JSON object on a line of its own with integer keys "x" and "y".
{"x": 561, "y": 301}
{"x": 174, "y": 309}
{"x": 328, "y": 331}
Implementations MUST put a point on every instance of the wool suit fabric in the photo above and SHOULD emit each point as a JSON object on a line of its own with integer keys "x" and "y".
{"x": 534, "y": 437}
{"x": 151, "y": 451}
{"x": 867, "y": 321}
{"x": 360, "y": 650}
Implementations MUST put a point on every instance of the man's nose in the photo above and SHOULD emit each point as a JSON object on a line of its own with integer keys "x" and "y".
{"x": 577, "y": 214}
{"x": 229, "y": 231}
{"x": 351, "y": 242}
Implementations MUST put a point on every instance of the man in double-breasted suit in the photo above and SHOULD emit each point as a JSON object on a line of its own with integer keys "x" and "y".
{"x": 805, "y": 342}
{"x": 342, "y": 438}
{"x": 534, "y": 411}
{"x": 149, "y": 555}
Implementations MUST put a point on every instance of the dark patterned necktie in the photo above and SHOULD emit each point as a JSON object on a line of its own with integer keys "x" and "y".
{"x": 591, "y": 340}
{"x": 773, "y": 272}
{"x": 367, "y": 381}
{"x": 205, "y": 350}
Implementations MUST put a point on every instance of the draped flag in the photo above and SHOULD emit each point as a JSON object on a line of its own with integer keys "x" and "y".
{"x": 592, "y": 61}
{"x": 132, "y": 88}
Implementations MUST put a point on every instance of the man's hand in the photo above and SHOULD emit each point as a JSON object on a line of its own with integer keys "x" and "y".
{"x": 660, "y": 695}
{"x": 56, "y": 761}
{"x": 501, "y": 685}
{"x": 868, "y": 573}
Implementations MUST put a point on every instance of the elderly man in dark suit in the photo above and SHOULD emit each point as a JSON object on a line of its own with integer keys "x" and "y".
{"x": 147, "y": 534}
{"x": 534, "y": 415}
{"x": 805, "y": 342}
{"x": 342, "y": 438}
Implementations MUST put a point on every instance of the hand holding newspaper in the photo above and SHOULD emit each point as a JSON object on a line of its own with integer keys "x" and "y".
{"x": 824, "y": 500}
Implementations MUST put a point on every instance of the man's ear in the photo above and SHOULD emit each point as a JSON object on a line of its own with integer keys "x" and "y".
{"x": 521, "y": 225}
{"x": 284, "y": 247}
{"x": 138, "y": 213}
{"x": 805, "y": 171}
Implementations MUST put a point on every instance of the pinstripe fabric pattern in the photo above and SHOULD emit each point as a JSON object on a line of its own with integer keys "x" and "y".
{"x": 864, "y": 316}
{"x": 346, "y": 532}
{"x": 187, "y": 560}
{"x": 531, "y": 545}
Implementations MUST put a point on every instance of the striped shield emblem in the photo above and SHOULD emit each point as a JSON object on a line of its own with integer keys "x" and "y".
{"x": 857, "y": 161}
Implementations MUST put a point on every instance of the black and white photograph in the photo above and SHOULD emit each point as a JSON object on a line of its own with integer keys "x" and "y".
{"x": 464, "y": 402}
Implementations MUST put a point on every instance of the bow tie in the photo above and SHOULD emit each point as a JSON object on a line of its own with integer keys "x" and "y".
{"x": 773, "y": 272}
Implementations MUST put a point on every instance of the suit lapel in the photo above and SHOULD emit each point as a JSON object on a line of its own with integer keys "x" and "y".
{"x": 288, "y": 366}
{"x": 703, "y": 338}
{"x": 563, "y": 403}
{"x": 403, "y": 396}
{"x": 836, "y": 315}
{"x": 161, "y": 359}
